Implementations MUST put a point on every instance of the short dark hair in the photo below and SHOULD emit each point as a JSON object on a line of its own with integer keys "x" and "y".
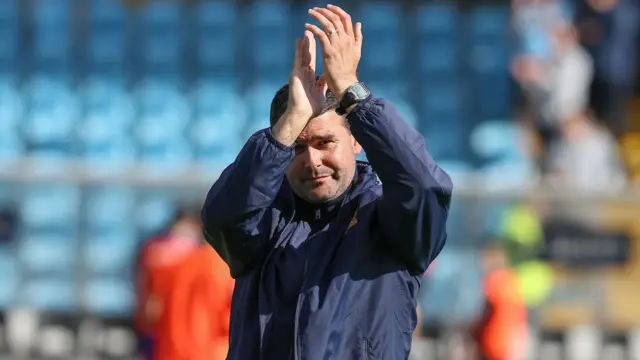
{"x": 281, "y": 101}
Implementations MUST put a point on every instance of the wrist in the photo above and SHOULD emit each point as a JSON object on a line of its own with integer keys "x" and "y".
{"x": 342, "y": 87}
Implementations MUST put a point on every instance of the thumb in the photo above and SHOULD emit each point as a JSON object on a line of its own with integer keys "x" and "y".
{"x": 322, "y": 84}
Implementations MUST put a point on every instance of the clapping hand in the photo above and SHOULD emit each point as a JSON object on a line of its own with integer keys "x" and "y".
{"x": 341, "y": 46}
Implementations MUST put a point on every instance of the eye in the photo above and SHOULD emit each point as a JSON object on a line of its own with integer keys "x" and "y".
{"x": 325, "y": 142}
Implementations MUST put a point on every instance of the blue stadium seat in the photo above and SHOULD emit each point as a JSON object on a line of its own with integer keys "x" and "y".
{"x": 508, "y": 174}
{"x": 107, "y": 47}
{"x": 215, "y": 14}
{"x": 490, "y": 21}
{"x": 107, "y": 12}
{"x": 105, "y": 100}
{"x": 167, "y": 159}
{"x": 383, "y": 31}
{"x": 259, "y": 98}
{"x": 437, "y": 18}
{"x": 48, "y": 253}
{"x": 53, "y": 110}
{"x": 108, "y": 297}
{"x": 12, "y": 149}
{"x": 107, "y": 31}
{"x": 9, "y": 278}
{"x": 51, "y": 30}
{"x": 11, "y": 107}
{"x": 109, "y": 208}
{"x": 52, "y": 294}
{"x": 9, "y": 36}
{"x": 50, "y": 207}
{"x": 490, "y": 58}
{"x": 271, "y": 35}
{"x": 385, "y": 16}
{"x": 216, "y": 31}
{"x": 451, "y": 292}
{"x": 163, "y": 35}
{"x": 163, "y": 103}
{"x": 218, "y": 123}
{"x": 154, "y": 213}
{"x": 111, "y": 252}
{"x": 492, "y": 95}
{"x": 498, "y": 140}
{"x": 439, "y": 57}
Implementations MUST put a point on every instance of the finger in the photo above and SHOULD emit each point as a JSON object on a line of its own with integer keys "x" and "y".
{"x": 310, "y": 49}
{"x": 322, "y": 84}
{"x": 323, "y": 20}
{"x": 358, "y": 34}
{"x": 335, "y": 20}
{"x": 297, "y": 61}
{"x": 344, "y": 17}
{"x": 320, "y": 35}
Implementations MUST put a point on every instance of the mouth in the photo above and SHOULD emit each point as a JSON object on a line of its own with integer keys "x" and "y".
{"x": 318, "y": 178}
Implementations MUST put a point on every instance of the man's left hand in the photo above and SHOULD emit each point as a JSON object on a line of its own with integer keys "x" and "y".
{"x": 341, "y": 46}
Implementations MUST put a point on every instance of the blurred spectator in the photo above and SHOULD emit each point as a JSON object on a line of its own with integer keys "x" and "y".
{"x": 609, "y": 29}
{"x": 556, "y": 85}
{"x": 8, "y": 225}
{"x": 501, "y": 331}
{"x": 184, "y": 296}
{"x": 587, "y": 157}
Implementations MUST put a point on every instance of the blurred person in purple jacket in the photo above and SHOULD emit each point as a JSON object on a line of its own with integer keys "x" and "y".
{"x": 327, "y": 252}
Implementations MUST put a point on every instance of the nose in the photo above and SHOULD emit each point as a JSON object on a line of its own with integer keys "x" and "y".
{"x": 313, "y": 158}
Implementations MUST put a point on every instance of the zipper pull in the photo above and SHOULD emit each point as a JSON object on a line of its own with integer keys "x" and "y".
{"x": 318, "y": 214}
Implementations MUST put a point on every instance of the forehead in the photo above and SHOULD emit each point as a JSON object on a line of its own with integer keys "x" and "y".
{"x": 327, "y": 124}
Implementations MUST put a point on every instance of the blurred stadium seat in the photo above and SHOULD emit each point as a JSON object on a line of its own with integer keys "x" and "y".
{"x": 49, "y": 253}
{"x": 154, "y": 213}
{"x": 9, "y": 38}
{"x": 108, "y": 296}
{"x": 111, "y": 252}
{"x": 109, "y": 209}
{"x": 270, "y": 36}
{"x": 163, "y": 31}
{"x": 46, "y": 208}
{"x": 53, "y": 110}
{"x": 215, "y": 29}
{"x": 107, "y": 37}
{"x": 53, "y": 294}
{"x": 9, "y": 277}
{"x": 383, "y": 31}
{"x": 52, "y": 38}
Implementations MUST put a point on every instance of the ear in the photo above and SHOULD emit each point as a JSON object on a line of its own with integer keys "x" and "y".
{"x": 357, "y": 148}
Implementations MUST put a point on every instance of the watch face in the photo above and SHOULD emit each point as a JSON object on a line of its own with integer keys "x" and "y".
{"x": 359, "y": 91}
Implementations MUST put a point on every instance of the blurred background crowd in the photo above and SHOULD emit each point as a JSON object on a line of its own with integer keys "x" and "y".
{"x": 115, "y": 115}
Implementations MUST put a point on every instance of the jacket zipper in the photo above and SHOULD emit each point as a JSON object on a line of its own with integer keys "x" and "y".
{"x": 365, "y": 350}
{"x": 318, "y": 215}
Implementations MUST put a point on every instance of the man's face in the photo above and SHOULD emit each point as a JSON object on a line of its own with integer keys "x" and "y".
{"x": 325, "y": 160}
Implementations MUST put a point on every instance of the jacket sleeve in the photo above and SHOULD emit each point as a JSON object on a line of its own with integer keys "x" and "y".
{"x": 413, "y": 210}
{"x": 235, "y": 214}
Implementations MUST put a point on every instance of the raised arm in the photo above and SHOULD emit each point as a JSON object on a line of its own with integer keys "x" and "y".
{"x": 413, "y": 210}
{"x": 235, "y": 216}
{"x": 416, "y": 192}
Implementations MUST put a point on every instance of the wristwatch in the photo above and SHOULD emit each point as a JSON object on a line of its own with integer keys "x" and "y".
{"x": 355, "y": 94}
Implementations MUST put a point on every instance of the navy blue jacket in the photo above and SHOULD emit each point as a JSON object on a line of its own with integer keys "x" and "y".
{"x": 360, "y": 281}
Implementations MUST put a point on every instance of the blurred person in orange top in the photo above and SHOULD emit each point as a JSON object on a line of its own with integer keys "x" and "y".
{"x": 184, "y": 296}
{"x": 501, "y": 331}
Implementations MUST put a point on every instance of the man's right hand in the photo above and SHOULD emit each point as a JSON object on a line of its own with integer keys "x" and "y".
{"x": 306, "y": 95}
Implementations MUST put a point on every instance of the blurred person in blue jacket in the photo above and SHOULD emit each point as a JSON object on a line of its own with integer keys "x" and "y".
{"x": 327, "y": 260}
{"x": 610, "y": 30}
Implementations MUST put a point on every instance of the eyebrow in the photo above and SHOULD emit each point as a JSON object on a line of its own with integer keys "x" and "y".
{"x": 316, "y": 138}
